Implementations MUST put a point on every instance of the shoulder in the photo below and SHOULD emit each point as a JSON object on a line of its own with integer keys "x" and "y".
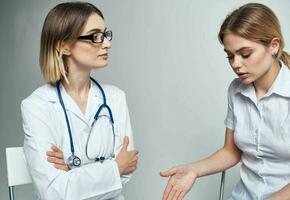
{"x": 112, "y": 91}
{"x": 40, "y": 97}
{"x": 234, "y": 85}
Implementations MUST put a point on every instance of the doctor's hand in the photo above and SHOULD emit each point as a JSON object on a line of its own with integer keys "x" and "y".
{"x": 55, "y": 156}
{"x": 180, "y": 182}
{"x": 127, "y": 160}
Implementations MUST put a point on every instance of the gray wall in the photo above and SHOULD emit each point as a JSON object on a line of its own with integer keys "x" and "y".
{"x": 166, "y": 57}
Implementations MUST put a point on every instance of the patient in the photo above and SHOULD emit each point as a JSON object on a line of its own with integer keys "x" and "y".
{"x": 258, "y": 117}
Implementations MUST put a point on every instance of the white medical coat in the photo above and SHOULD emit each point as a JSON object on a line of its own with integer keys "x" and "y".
{"x": 44, "y": 124}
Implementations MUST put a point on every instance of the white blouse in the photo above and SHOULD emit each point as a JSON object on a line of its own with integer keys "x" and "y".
{"x": 262, "y": 133}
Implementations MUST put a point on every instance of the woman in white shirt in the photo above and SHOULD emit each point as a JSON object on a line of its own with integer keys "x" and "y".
{"x": 73, "y": 125}
{"x": 258, "y": 119}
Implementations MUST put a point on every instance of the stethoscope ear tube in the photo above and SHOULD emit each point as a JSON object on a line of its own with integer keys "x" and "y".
{"x": 99, "y": 111}
{"x": 104, "y": 102}
{"x": 101, "y": 159}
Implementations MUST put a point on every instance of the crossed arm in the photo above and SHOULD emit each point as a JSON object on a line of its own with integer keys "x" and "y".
{"x": 126, "y": 160}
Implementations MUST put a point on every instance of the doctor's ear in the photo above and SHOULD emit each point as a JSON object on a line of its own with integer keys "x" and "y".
{"x": 63, "y": 48}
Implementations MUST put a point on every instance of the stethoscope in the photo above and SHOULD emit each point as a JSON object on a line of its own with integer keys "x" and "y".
{"x": 73, "y": 160}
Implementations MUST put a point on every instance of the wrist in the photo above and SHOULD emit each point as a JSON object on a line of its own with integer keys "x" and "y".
{"x": 120, "y": 168}
{"x": 194, "y": 170}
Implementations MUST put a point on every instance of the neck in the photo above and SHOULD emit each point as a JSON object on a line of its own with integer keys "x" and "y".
{"x": 263, "y": 84}
{"x": 78, "y": 82}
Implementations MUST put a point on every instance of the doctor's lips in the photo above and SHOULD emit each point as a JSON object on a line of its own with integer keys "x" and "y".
{"x": 104, "y": 56}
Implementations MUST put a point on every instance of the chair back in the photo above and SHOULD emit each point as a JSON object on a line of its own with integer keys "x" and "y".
{"x": 17, "y": 172}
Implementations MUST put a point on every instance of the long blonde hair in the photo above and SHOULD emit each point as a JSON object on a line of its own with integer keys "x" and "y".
{"x": 257, "y": 23}
{"x": 64, "y": 22}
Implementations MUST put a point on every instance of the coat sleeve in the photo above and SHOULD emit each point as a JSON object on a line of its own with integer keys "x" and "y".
{"x": 96, "y": 180}
{"x": 124, "y": 129}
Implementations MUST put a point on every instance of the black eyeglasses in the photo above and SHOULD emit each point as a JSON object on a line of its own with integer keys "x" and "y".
{"x": 97, "y": 37}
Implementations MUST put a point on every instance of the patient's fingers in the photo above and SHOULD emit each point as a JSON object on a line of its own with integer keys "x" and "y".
{"x": 168, "y": 189}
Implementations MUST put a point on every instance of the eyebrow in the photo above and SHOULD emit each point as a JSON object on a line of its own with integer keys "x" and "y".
{"x": 239, "y": 50}
{"x": 94, "y": 30}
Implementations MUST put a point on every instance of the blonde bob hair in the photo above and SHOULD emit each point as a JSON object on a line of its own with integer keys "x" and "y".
{"x": 64, "y": 22}
{"x": 258, "y": 23}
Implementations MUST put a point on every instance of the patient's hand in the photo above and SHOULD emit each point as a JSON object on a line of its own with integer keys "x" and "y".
{"x": 180, "y": 182}
{"x": 55, "y": 156}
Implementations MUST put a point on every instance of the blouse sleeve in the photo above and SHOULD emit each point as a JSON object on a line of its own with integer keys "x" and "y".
{"x": 229, "y": 121}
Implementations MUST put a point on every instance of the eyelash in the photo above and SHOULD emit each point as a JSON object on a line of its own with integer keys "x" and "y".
{"x": 246, "y": 56}
{"x": 243, "y": 56}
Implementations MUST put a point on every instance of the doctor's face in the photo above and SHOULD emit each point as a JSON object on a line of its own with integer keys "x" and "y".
{"x": 249, "y": 60}
{"x": 84, "y": 52}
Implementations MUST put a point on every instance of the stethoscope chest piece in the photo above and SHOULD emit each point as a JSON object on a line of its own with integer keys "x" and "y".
{"x": 74, "y": 161}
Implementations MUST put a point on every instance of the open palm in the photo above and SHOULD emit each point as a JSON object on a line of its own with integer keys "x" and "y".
{"x": 180, "y": 182}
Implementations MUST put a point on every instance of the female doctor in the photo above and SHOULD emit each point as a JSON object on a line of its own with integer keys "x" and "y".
{"x": 78, "y": 140}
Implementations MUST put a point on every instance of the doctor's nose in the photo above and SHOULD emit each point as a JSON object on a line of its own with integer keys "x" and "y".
{"x": 106, "y": 43}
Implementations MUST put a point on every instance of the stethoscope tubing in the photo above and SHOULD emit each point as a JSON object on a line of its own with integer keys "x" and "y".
{"x": 97, "y": 115}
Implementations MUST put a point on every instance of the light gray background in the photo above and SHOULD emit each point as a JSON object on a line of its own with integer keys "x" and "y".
{"x": 166, "y": 57}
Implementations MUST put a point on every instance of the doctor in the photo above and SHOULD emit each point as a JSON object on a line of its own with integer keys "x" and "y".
{"x": 78, "y": 139}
